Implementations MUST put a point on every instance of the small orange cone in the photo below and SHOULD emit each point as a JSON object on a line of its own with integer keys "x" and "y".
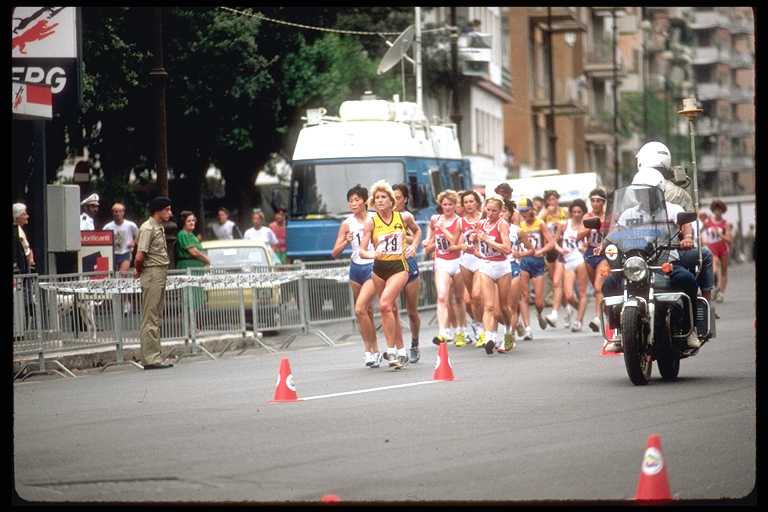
{"x": 653, "y": 483}
{"x": 285, "y": 390}
{"x": 443, "y": 366}
{"x": 330, "y": 498}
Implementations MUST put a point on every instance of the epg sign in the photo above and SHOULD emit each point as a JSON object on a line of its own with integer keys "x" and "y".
{"x": 45, "y": 50}
{"x": 55, "y": 76}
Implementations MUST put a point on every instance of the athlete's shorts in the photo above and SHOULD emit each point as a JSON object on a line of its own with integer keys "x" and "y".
{"x": 119, "y": 258}
{"x": 413, "y": 269}
{"x": 387, "y": 268}
{"x": 573, "y": 260}
{"x": 494, "y": 269}
{"x": 470, "y": 262}
{"x": 718, "y": 249}
{"x": 360, "y": 273}
{"x": 593, "y": 260}
{"x": 450, "y": 266}
{"x": 516, "y": 269}
{"x": 534, "y": 265}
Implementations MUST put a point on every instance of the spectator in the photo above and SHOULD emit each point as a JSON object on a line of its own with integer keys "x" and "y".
{"x": 190, "y": 253}
{"x": 259, "y": 231}
{"x": 126, "y": 233}
{"x": 538, "y": 204}
{"x": 90, "y": 208}
{"x": 23, "y": 257}
{"x": 278, "y": 228}
{"x": 223, "y": 228}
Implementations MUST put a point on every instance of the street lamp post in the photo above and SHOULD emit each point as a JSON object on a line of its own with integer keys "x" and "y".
{"x": 615, "y": 104}
{"x": 455, "y": 114}
{"x": 551, "y": 116}
{"x": 645, "y": 25}
{"x": 159, "y": 77}
{"x": 691, "y": 111}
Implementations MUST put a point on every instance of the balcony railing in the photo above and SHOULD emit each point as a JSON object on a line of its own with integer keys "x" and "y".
{"x": 712, "y": 91}
{"x": 599, "y": 122}
{"x": 741, "y": 95}
{"x": 709, "y": 19}
{"x": 558, "y": 13}
{"x": 742, "y": 26}
{"x": 569, "y": 98}
{"x": 707, "y": 126}
{"x": 741, "y": 60}
{"x": 710, "y": 55}
{"x": 736, "y": 128}
{"x": 684, "y": 14}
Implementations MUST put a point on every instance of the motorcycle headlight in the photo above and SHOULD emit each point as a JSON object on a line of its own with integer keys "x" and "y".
{"x": 635, "y": 268}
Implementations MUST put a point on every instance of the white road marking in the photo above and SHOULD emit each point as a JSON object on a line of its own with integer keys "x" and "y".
{"x": 369, "y": 390}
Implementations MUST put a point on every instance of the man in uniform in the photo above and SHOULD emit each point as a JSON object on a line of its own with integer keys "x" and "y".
{"x": 152, "y": 268}
{"x": 90, "y": 208}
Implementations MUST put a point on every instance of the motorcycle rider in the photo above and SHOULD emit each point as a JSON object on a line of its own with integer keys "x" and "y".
{"x": 680, "y": 277}
{"x": 656, "y": 155}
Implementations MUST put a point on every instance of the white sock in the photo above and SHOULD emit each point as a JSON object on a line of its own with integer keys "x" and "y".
{"x": 450, "y": 331}
{"x": 391, "y": 352}
{"x": 490, "y": 336}
{"x": 443, "y": 333}
{"x": 367, "y": 355}
{"x": 401, "y": 351}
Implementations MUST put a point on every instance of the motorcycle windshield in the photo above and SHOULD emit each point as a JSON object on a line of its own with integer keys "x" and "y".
{"x": 637, "y": 219}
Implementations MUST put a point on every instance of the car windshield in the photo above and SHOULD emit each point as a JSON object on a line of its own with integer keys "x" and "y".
{"x": 237, "y": 256}
{"x": 321, "y": 188}
{"x": 637, "y": 217}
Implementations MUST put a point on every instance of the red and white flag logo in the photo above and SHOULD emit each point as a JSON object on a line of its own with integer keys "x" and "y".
{"x": 29, "y": 100}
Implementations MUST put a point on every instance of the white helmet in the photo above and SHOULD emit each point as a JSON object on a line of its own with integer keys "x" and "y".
{"x": 654, "y": 154}
{"x": 648, "y": 176}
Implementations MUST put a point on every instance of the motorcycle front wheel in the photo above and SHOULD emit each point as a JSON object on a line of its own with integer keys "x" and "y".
{"x": 667, "y": 355}
{"x": 637, "y": 357}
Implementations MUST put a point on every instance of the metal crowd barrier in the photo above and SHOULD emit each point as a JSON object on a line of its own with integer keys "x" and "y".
{"x": 62, "y": 313}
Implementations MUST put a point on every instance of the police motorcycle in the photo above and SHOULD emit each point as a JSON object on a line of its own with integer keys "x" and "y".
{"x": 649, "y": 318}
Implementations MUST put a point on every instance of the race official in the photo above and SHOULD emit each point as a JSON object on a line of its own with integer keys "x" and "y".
{"x": 90, "y": 208}
{"x": 152, "y": 268}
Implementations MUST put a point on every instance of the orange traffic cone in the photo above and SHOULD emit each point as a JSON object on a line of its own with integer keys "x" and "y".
{"x": 285, "y": 390}
{"x": 443, "y": 366}
{"x": 653, "y": 483}
{"x": 330, "y": 498}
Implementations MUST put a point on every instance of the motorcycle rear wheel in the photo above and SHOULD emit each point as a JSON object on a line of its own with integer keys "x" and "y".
{"x": 637, "y": 357}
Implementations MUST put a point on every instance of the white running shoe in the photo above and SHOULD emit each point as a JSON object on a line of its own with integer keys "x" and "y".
{"x": 528, "y": 333}
{"x": 576, "y": 326}
{"x": 594, "y": 324}
{"x": 377, "y": 358}
{"x": 542, "y": 322}
{"x": 569, "y": 311}
{"x": 520, "y": 328}
{"x": 551, "y": 318}
{"x": 369, "y": 358}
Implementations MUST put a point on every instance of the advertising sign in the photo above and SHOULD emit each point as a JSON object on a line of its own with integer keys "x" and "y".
{"x": 45, "y": 50}
{"x": 96, "y": 252}
{"x": 31, "y": 101}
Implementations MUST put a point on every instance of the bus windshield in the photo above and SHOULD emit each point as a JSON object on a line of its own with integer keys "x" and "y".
{"x": 321, "y": 188}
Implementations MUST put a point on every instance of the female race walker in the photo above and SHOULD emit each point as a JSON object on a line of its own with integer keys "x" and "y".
{"x": 444, "y": 237}
{"x": 492, "y": 236}
{"x": 413, "y": 286}
{"x": 470, "y": 263}
{"x": 518, "y": 243}
{"x": 575, "y": 268}
{"x": 554, "y": 216}
{"x": 360, "y": 271}
{"x": 387, "y": 229}
{"x": 717, "y": 235}
{"x": 532, "y": 264}
{"x": 597, "y": 265}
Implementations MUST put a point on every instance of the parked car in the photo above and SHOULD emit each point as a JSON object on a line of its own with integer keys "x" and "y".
{"x": 274, "y": 302}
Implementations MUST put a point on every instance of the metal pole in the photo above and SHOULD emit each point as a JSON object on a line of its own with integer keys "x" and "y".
{"x": 38, "y": 199}
{"x": 645, "y": 75}
{"x": 455, "y": 114}
{"x": 159, "y": 77}
{"x": 551, "y": 116}
{"x": 615, "y": 105}
{"x": 692, "y": 132}
{"x": 417, "y": 58}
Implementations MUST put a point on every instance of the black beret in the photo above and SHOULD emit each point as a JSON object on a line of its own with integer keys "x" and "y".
{"x": 158, "y": 203}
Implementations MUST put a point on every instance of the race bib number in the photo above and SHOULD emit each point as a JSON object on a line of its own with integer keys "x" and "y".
{"x": 595, "y": 238}
{"x": 570, "y": 243}
{"x": 488, "y": 251}
{"x": 442, "y": 243}
{"x": 392, "y": 243}
{"x": 535, "y": 239}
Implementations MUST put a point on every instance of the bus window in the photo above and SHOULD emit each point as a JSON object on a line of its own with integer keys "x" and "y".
{"x": 457, "y": 180}
{"x": 418, "y": 194}
{"x": 436, "y": 180}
